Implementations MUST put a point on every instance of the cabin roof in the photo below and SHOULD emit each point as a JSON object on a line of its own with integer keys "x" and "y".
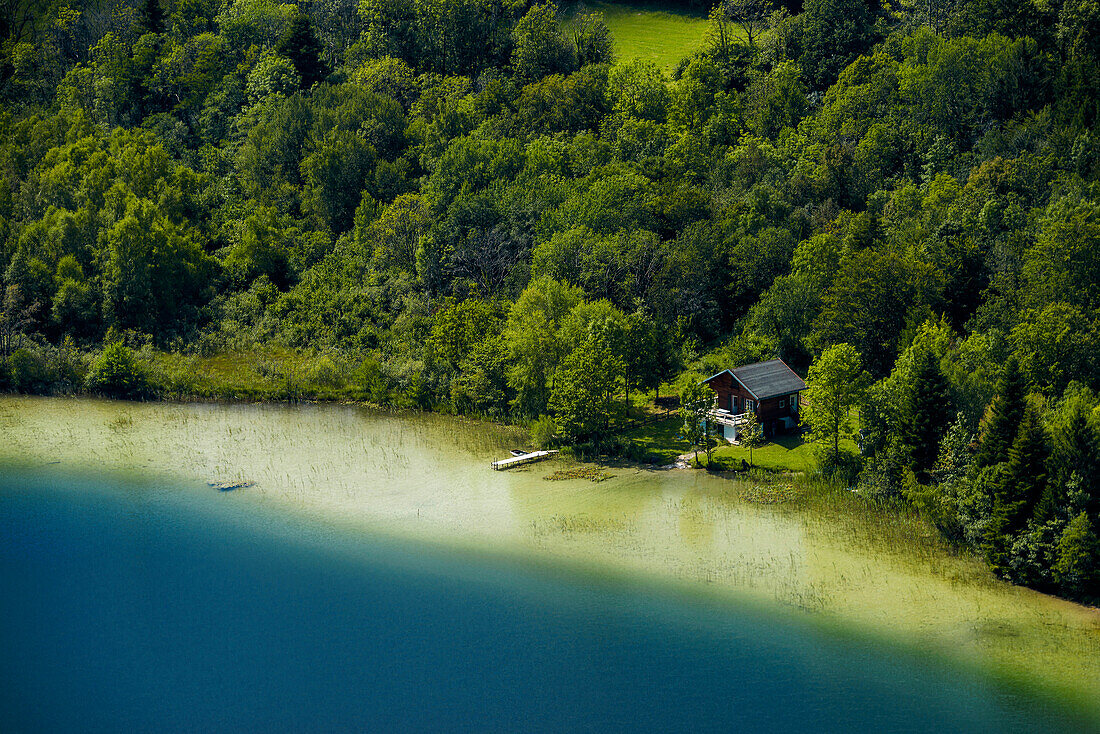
{"x": 766, "y": 379}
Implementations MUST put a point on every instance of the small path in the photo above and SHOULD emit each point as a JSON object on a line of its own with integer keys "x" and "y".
{"x": 683, "y": 461}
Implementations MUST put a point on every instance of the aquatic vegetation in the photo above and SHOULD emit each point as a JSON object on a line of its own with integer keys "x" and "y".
{"x": 770, "y": 494}
{"x": 591, "y": 473}
{"x": 567, "y": 524}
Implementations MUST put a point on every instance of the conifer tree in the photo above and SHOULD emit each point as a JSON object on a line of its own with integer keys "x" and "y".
{"x": 152, "y": 16}
{"x": 301, "y": 46}
{"x": 1077, "y": 453}
{"x": 1022, "y": 485}
{"x": 927, "y": 414}
{"x": 1006, "y": 412}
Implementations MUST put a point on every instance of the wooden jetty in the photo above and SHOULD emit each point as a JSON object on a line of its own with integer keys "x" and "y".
{"x": 522, "y": 459}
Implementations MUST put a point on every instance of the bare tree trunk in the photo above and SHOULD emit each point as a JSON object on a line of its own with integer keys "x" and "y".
{"x": 706, "y": 439}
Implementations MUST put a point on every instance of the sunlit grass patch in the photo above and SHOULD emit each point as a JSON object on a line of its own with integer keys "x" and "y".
{"x": 663, "y": 34}
{"x": 787, "y": 452}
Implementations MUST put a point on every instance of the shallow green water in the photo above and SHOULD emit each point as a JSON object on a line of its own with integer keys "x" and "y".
{"x": 427, "y": 478}
{"x": 137, "y": 607}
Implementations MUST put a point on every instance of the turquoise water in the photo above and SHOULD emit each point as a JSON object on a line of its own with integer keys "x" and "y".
{"x": 133, "y": 606}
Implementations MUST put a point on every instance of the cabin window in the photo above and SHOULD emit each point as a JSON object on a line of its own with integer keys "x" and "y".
{"x": 782, "y": 402}
{"x": 733, "y": 403}
{"x": 748, "y": 405}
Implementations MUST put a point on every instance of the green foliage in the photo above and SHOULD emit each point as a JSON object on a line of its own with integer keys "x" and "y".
{"x": 300, "y": 45}
{"x": 116, "y": 372}
{"x": 592, "y": 40}
{"x": 460, "y": 326}
{"x": 1054, "y": 345}
{"x": 752, "y": 435}
{"x": 1005, "y": 415}
{"x": 834, "y": 33}
{"x": 1077, "y": 569}
{"x": 927, "y": 412}
{"x": 834, "y": 385}
{"x": 534, "y": 345}
{"x": 1022, "y": 485}
{"x": 272, "y": 75}
{"x": 870, "y": 302}
{"x": 28, "y": 371}
{"x": 540, "y": 47}
{"x": 584, "y": 382}
{"x": 696, "y": 400}
{"x": 544, "y": 432}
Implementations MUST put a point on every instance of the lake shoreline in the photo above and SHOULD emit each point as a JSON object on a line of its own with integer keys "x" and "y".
{"x": 622, "y": 526}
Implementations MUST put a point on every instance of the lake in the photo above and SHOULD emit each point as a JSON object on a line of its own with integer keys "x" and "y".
{"x": 379, "y": 576}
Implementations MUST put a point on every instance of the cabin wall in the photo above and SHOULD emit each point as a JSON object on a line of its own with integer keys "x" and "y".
{"x": 731, "y": 395}
{"x": 771, "y": 412}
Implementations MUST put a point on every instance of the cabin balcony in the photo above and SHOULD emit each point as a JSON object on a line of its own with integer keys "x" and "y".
{"x": 726, "y": 418}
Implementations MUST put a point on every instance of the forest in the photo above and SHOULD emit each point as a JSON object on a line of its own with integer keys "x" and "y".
{"x": 472, "y": 206}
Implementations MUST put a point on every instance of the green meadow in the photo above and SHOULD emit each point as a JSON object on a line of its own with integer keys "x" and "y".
{"x": 653, "y": 32}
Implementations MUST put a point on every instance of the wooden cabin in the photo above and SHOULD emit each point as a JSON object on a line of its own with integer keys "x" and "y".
{"x": 771, "y": 390}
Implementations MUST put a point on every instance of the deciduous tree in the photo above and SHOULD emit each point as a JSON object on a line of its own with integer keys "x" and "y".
{"x": 696, "y": 401}
{"x": 835, "y": 383}
{"x": 752, "y": 434}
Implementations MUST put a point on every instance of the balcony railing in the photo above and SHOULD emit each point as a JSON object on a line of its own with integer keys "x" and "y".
{"x": 726, "y": 418}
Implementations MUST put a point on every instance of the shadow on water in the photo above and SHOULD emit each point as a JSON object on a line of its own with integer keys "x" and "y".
{"x": 133, "y": 607}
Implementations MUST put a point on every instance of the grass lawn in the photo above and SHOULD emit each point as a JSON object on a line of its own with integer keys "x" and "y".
{"x": 788, "y": 452}
{"x": 661, "y": 34}
{"x": 660, "y": 439}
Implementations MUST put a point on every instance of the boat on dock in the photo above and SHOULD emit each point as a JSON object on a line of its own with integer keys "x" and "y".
{"x": 521, "y": 459}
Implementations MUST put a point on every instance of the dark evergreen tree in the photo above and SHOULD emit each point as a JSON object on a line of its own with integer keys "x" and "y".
{"x": 927, "y": 414}
{"x": 301, "y": 46}
{"x": 1022, "y": 486}
{"x": 152, "y": 17}
{"x": 1006, "y": 412}
{"x": 835, "y": 33}
{"x": 1076, "y": 457}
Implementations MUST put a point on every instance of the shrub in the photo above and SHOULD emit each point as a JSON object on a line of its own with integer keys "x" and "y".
{"x": 844, "y": 466}
{"x": 369, "y": 383}
{"x": 323, "y": 372}
{"x": 29, "y": 372}
{"x": 69, "y": 366}
{"x": 1077, "y": 569}
{"x": 544, "y": 433}
{"x": 115, "y": 372}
